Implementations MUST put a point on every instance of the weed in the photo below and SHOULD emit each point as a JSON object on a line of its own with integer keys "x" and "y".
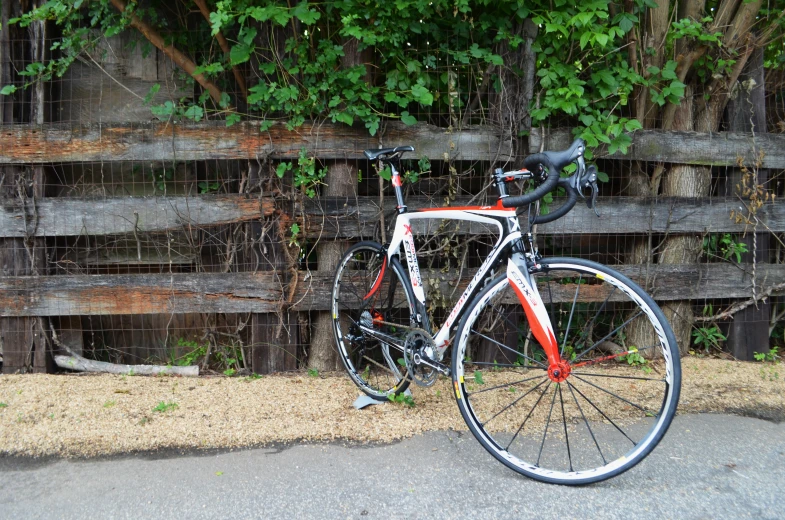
{"x": 144, "y": 420}
{"x": 724, "y": 246}
{"x": 3, "y": 405}
{"x": 109, "y": 404}
{"x": 404, "y": 399}
{"x": 313, "y": 372}
{"x": 478, "y": 377}
{"x": 208, "y": 187}
{"x": 770, "y": 356}
{"x": 252, "y": 377}
{"x": 229, "y": 372}
{"x": 165, "y": 407}
{"x": 708, "y": 337}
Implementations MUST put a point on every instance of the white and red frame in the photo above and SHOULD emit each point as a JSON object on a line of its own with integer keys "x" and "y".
{"x": 506, "y": 221}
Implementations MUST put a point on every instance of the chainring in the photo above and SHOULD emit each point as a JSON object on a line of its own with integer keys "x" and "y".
{"x": 418, "y": 346}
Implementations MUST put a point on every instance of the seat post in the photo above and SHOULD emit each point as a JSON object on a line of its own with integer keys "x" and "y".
{"x": 396, "y": 182}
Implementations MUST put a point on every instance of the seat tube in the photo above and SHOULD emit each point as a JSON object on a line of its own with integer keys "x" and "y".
{"x": 396, "y": 182}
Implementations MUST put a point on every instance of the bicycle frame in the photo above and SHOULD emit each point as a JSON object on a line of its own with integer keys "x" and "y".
{"x": 509, "y": 244}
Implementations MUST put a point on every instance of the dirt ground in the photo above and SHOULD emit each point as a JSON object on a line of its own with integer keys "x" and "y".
{"x": 98, "y": 415}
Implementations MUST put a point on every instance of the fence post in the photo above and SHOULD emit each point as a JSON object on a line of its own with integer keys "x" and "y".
{"x": 749, "y": 331}
{"x": 22, "y": 339}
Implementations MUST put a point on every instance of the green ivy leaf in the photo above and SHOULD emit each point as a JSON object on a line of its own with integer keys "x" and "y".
{"x": 306, "y": 15}
{"x": 408, "y": 119}
{"x": 421, "y": 95}
{"x": 194, "y": 112}
{"x": 7, "y": 90}
{"x": 240, "y": 53}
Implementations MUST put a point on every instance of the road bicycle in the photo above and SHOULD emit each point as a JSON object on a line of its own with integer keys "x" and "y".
{"x": 563, "y": 369}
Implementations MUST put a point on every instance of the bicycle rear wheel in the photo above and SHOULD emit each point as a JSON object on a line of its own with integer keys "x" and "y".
{"x": 615, "y": 404}
{"x": 372, "y": 309}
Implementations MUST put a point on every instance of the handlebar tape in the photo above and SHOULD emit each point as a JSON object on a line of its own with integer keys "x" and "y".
{"x": 572, "y": 198}
{"x": 532, "y": 163}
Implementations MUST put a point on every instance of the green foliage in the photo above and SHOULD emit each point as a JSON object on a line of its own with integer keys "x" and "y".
{"x": 428, "y": 59}
{"x": 478, "y": 378}
{"x": 109, "y": 404}
{"x": 312, "y": 372}
{"x": 253, "y": 377}
{"x": 208, "y": 187}
{"x": 708, "y": 337}
{"x": 402, "y": 398}
{"x": 770, "y": 356}
{"x": 724, "y": 246}
{"x": 3, "y": 405}
{"x": 163, "y": 407}
{"x": 195, "y": 353}
{"x": 306, "y": 176}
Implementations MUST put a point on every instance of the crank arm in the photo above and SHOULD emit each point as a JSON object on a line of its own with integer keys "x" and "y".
{"x": 439, "y": 367}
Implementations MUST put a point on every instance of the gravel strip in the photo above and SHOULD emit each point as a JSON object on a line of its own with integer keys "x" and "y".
{"x": 98, "y": 415}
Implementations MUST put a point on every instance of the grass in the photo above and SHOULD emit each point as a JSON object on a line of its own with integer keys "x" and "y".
{"x": 163, "y": 407}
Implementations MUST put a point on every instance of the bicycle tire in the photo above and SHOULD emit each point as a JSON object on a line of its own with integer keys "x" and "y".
{"x": 361, "y": 297}
{"x": 603, "y": 405}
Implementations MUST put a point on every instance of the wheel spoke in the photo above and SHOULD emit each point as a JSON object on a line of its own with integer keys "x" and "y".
{"x": 520, "y": 428}
{"x": 564, "y": 419}
{"x": 647, "y": 412}
{"x": 588, "y": 327}
{"x": 505, "y": 385}
{"x": 569, "y": 321}
{"x": 508, "y": 348}
{"x": 617, "y": 329}
{"x": 572, "y": 392}
{"x": 545, "y": 433}
{"x": 512, "y": 404}
{"x": 602, "y": 413}
{"x": 508, "y": 365}
{"x": 617, "y": 377}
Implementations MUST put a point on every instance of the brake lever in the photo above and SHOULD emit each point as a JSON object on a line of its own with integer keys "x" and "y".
{"x": 590, "y": 181}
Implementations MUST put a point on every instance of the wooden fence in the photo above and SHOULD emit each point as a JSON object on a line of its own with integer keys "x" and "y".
{"x": 326, "y": 218}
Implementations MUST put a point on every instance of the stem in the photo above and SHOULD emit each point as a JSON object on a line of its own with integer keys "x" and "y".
{"x": 238, "y": 76}
{"x": 178, "y": 57}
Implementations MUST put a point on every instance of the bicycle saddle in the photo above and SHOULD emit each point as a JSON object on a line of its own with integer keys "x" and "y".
{"x": 375, "y": 154}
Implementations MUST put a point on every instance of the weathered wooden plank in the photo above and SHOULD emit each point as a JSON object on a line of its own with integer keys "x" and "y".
{"x": 139, "y": 294}
{"x": 714, "y": 149}
{"x": 262, "y": 291}
{"x": 213, "y": 140}
{"x": 664, "y": 282}
{"x": 74, "y": 217}
{"x": 357, "y": 217}
{"x": 339, "y": 218}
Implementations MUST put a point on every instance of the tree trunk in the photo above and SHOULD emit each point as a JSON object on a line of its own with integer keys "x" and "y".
{"x": 341, "y": 181}
{"x": 683, "y": 181}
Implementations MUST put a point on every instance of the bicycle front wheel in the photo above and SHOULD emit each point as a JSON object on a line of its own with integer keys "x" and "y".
{"x": 619, "y": 395}
{"x": 373, "y": 310}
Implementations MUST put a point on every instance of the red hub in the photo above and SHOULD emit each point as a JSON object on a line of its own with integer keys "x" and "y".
{"x": 558, "y": 372}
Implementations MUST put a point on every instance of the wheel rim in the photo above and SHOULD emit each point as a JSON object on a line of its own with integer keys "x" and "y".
{"x": 599, "y": 419}
{"x": 363, "y": 298}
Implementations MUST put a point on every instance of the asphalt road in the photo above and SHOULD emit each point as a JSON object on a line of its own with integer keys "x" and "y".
{"x": 708, "y": 466}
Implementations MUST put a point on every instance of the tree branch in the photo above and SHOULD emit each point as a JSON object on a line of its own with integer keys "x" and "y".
{"x": 178, "y": 57}
{"x": 238, "y": 76}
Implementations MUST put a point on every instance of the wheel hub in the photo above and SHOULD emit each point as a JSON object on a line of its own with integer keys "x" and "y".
{"x": 559, "y": 372}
